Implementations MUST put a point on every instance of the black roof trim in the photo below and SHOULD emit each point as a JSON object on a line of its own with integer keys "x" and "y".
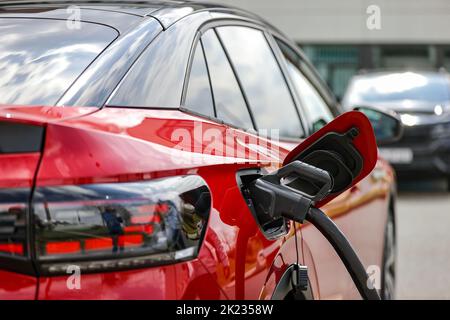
{"x": 169, "y": 11}
{"x": 167, "y": 18}
{"x": 124, "y": 3}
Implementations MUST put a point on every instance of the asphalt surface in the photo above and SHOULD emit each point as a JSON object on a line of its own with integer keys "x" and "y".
{"x": 423, "y": 241}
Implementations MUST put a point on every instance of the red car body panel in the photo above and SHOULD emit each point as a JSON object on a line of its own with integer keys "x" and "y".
{"x": 113, "y": 144}
{"x": 119, "y": 145}
{"x": 92, "y": 149}
{"x": 15, "y": 286}
{"x": 112, "y": 139}
{"x": 18, "y": 169}
{"x": 41, "y": 114}
{"x": 235, "y": 261}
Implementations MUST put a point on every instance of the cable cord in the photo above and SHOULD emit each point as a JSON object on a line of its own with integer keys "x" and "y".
{"x": 296, "y": 241}
{"x": 345, "y": 251}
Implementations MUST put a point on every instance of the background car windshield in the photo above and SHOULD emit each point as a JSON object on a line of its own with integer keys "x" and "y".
{"x": 398, "y": 86}
{"x": 40, "y": 59}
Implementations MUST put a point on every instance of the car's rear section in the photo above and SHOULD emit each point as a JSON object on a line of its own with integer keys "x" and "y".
{"x": 45, "y": 49}
{"x": 20, "y": 149}
{"x": 104, "y": 202}
{"x": 71, "y": 205}
{"x": 92, "y": 207}
{"x": 98, "y": 207}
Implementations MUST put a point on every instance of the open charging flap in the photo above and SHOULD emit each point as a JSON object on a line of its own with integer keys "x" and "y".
{"x": 345, "y": 148}
{"x": 320, "y": 168}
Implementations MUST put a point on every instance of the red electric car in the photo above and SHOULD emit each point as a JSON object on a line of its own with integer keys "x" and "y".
{"x": 127, "y": 133}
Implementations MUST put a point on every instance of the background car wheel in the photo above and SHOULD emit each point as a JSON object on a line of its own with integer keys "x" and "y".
{"x": 389, "y": 257}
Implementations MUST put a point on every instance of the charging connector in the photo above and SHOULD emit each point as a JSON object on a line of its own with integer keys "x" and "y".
{"x": 291, "y": 192}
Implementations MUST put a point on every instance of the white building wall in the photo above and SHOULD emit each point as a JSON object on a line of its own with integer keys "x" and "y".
{"x": 344, "y": 21}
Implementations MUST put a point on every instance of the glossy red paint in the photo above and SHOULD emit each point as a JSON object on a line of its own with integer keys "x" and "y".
{"x": 17, "y": 170}
{"x": 101, "y": 146}
{"x": 235, "y": 257}
{"x": 244, "y": 256}
{"x": 235, "y": 261}
{"x": 41, "y": 114}
{"x": 145, "y": 284}
{"x": 14, "y": 286}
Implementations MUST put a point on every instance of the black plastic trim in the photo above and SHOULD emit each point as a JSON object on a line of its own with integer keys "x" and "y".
{"x": 20, "y": 137}
{"x": 284, "y": 286}
{"x": 245, "y": 177}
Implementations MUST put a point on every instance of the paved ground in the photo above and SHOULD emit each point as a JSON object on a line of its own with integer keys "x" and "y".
{"x": 423, "y": 235}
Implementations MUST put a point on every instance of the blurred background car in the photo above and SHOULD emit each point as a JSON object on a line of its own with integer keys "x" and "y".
{"x": 422, "y": 101}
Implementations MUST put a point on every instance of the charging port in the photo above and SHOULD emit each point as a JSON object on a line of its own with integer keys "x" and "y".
{"x": 272, "y": 228}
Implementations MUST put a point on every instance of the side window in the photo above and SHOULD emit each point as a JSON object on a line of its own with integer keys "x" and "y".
{"x": 316, "y": 108}
{"x": 229, "y": 102}
{"x": 198, "y": 94}
{"x": 262, "y": 80}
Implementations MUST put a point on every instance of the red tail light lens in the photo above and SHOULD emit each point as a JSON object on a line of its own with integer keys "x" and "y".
{"x": 13, "y": 213}
{"x": 110, "y": 226}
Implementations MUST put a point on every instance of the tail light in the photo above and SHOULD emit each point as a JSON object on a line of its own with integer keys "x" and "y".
{"x": 20, "y": 146}
{"x": 13, "y": 212}
{"x": 101, "y": 227}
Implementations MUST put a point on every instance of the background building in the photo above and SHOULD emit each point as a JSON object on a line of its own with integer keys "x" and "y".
{"x": 334, "y": 34}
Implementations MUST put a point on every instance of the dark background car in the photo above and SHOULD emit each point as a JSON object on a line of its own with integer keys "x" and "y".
{"x": 422, "y": 101}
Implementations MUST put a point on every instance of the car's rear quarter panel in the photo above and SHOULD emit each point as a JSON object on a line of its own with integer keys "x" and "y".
{"x": 119, "y": 145}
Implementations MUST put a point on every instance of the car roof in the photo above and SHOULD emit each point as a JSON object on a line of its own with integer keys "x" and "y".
{"x": 120, "y": 14}
{"x": 138, "y": 22}
{"x": 367, "y": 74}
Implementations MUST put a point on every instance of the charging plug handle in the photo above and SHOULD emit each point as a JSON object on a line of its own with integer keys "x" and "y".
{"x": 277, "y": 195}
{"x": 274, "y": 198}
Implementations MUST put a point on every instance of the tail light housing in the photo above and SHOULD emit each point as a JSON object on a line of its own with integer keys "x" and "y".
{"x": 20, "y": 151}
{"x": 102, "y": 227}
{"x": 13, "y": 215}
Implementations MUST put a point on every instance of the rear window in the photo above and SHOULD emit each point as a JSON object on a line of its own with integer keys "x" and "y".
{"x": 40, "y": 59}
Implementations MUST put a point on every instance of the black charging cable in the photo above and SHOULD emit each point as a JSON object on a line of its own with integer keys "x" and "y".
{"x": 279, "y": 194}
{"x": 344, "y": 249}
